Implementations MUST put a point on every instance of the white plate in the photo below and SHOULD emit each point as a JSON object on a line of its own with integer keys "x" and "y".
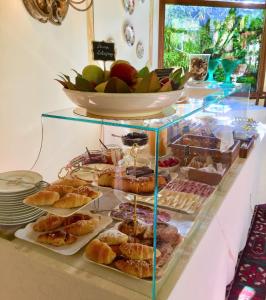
{"x": 28, "y": 234}
{"x": 63, "y": 212}
{"x": 20, "y": 222}
{"x": 19, "y": 176}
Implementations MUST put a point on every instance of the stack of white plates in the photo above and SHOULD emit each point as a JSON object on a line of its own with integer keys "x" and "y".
{"x": 15, "y": 186}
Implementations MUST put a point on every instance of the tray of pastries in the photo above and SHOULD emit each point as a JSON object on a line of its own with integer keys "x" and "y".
{"x": 135, "y": 180}
{"x": 64, "y": 235}
{"x": 129, "y": 249}
{"x": 64, "y": 197}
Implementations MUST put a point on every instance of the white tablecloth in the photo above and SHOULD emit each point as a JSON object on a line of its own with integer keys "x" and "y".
{"x": 212, "y": 265}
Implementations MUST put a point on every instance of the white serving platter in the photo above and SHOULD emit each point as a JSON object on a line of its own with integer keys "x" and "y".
{"x": 29, "y": 235}
{"x": 63, "y": 212}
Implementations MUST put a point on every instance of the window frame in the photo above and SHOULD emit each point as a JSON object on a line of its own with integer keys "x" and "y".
{"x": 213, "y": 3}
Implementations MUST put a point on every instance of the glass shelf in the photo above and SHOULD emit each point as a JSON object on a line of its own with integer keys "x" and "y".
{"x": 168, "y": 117}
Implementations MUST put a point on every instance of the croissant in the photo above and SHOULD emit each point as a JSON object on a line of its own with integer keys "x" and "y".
{"x": 56, "y": 238}
{"x": 47, "y": 223}
{"x": 113, "y": 237}
{"x": 72, "y": 200}
{"x": 61, "y": 189}
{"x": 100, "y": 252}
{"x": 82, "y": 227}
{"x": 138, "y": 251}
{"x": 74, "y": 182}
{"x": 75, "y": 218}
{"x": 138, "y": 268}
{"x": 42, "y": 198}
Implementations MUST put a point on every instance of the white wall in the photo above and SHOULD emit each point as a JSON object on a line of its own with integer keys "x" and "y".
{"x": 109, "y": 18}
{"x": 31, "y": 54}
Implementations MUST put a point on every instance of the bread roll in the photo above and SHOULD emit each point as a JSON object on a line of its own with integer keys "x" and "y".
{"x": 100, "y": 252}
{"x": 47, "y": 223}
{"x": 61, "y": 189}
{"x": 138, "y": 251}
{"x": 42, "y": 198}
{"x": 138, "y": 268}
{"x": 82, "y": 227}
{"x": 56, "y": 238}
{"x": 72, "y": 200}
{"x": 113, "y": 237}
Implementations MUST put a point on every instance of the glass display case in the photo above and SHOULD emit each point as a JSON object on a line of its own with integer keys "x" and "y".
{"x": 135, "y": 204}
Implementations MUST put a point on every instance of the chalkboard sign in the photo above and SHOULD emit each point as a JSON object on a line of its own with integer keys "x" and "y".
{"x": 103, "y": 51}
{"x": 161, "y": 73}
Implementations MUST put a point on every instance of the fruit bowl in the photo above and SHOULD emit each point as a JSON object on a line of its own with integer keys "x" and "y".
{"x": 123, "y": 104}
{"x": 169, "y": 163}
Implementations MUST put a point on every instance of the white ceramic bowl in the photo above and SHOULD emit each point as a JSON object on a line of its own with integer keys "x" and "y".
{"x": 124, "y": 105}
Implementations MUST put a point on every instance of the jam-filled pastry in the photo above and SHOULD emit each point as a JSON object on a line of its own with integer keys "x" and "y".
{"x": 47, "y": 223}
{"x": 138, "y": 268}
{"x": 138, "y": 251}
{"x": 72, "y": 200}
{"x": 100, "y": 252}
{"x": 82, "y": 227}
{"x": 129, "y": 228}
{"x": 75, "y": 218}
{"x": 87, "y": 191}
{"x": 42, "y": 198}
{"x": 56, "y": 238}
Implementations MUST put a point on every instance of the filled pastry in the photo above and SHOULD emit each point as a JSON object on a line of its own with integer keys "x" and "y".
{"x": 138, "y": 268}
{"x": 47, "y": 223}
{"x": 100, "y": 252}
{"x": 74, "y": 182}
{"x": 82, "y": 227}
{"x": 87, "y": 191}
{"x": 113, "y": 237}
{"x": 128, "y": 227}
{"x": 75, "y": 218}
{"x": 56, "y": 238}
{"x": 138, "y": 251}
{"x": 61, "y": 189}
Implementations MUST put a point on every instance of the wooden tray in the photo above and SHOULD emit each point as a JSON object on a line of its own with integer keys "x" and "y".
{"x": 227, "y": 157}
{"x": 244, "y": 152}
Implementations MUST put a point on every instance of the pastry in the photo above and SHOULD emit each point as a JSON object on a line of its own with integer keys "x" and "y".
{"x": 72, "y": 200}
{"x": 74, "y": 182}
{"x": 100, "y": 252}
{"x": 138, "y": 268}
{"x": 82, "y": 227}
{"x": 139, "y": 180}
{"x": 47, "y": 223}
{"x": 42, "y": 198}
{"x": 138, "y": 251}
{"x": 128, "y": 227}
{"x": 61, "y": 189}
{"x": 56, "y": 238}
{"x": 75, "y": 218}
{"x": 113, "y": 237}
{"x": 87, "y": 191}
{"x": 116, "y": 249}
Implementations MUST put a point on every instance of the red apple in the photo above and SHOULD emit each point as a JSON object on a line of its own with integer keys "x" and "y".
{"x": 124, "y": 72}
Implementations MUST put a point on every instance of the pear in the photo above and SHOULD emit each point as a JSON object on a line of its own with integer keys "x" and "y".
{"x": 149, "y": 84}
{"x": 101, "y": 87}
{"x": 135, "y": 86}
{"x": 116, "y": 85}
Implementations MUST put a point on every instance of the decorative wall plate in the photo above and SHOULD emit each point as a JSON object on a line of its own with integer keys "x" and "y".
{"x": 129, "y": 34}
{"x": 140, "y": 50}
{"x": 129, "y": 6}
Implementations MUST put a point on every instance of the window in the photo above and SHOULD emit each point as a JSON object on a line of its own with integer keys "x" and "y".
{"x": 225, "y": 29}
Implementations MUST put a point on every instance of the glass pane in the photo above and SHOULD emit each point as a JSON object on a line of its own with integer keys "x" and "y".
{"x": 232, "y": 34}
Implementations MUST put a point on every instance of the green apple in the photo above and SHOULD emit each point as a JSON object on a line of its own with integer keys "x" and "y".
{"x": 93, "y": 74}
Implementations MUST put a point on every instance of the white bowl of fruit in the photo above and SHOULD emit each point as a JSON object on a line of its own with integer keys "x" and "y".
{"x": 123, "y": 91}
{"x": 169, "y": 163}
